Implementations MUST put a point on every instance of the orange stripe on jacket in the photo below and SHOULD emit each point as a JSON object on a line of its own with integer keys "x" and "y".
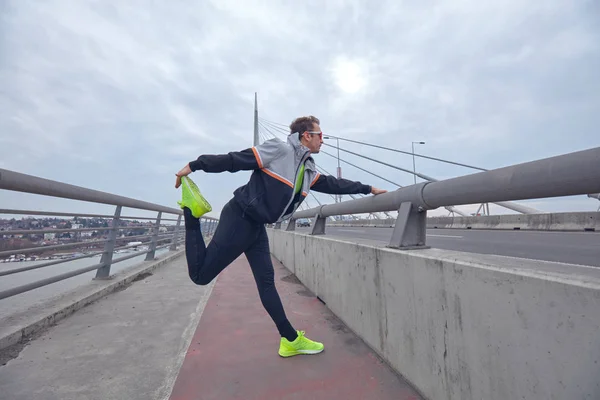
{"x": 315, "y": 180}
{"x": 280, "y": 179}
{"x": 260, "y": 164}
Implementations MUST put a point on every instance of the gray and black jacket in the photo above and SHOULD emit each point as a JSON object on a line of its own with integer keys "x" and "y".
{"x": 269, "y": 195}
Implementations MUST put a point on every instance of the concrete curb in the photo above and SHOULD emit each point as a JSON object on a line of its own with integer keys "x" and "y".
{"x": 67, "y": 304}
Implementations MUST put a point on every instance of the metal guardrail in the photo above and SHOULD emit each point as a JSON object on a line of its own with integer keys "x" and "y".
{"x": 570, "y": 174}
{"x": 595, "y": 196}
{"x": 106, "y": 247}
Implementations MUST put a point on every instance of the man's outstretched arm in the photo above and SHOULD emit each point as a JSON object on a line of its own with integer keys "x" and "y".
{"x": 332, "y": 185}
{"x": 249, "y": 159}
{"x": 231, "y": 162}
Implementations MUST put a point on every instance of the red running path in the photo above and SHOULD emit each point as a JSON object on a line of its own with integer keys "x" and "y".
{"x": 233, "y": 354}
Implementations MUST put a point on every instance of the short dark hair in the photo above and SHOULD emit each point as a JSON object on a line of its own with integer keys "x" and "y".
{"x": 302, "y": 124}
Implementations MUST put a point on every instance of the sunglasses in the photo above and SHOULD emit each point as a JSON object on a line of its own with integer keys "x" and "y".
{"x": 316, "y": 133}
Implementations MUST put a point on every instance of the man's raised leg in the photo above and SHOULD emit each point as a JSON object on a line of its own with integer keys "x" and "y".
{"x": 228, "y": 243}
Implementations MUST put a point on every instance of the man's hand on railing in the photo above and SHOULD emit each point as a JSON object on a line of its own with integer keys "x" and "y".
{"x": 376, "y": 191}
{"x": 185, "y": 171}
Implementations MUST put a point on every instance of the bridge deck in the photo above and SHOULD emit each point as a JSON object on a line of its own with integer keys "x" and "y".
{"x": 164, "y": 337}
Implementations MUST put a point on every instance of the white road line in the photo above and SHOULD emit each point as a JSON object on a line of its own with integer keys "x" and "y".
{"x": 448, "y": 236}
{"x": 351, "y": 230}
{"x": 517, "y": 231}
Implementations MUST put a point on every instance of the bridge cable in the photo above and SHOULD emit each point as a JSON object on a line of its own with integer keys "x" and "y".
{"x": 355, "y": 166}
{"x": 397, "y": 151}
{"x": 427, "y": 178}
{"x": 275, "y": 123}
{"x": 328, "y": 173}
{"x": 449, "y": 208}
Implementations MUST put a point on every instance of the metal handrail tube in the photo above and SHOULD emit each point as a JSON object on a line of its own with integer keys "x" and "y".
{"x": 152, "y": 218}
{"x": 10, "y": 180}
{"x": 62, "y": 261}
{"x": 66, "y": 214}
{"x": 140, "y": 253}
{"x": 514, "y": 207}
{"x": 135, "y": 237}
{"x": 62, "y": 230}
{"x": 51, "y": 213}
{"x": 42, "y": 231}
{"x": 48, "y": 264}
{"x": 19, "y": 182}
{"x": 37, "y": 249}
{"x": 163, "y": 239}
{"x": 47, "y": 281}
{"x": 450, "y": 208}
{"x": 565, "y": 175}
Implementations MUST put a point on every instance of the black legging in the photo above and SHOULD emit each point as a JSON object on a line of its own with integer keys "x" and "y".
{"x": 236, "y": 234}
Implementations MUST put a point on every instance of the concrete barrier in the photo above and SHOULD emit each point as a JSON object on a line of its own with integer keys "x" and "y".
{"x": 460, "y": 326}
{"x": 574, "y": 221}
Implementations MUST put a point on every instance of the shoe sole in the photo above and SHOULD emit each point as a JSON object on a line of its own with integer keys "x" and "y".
{"x": 301, "y": 352}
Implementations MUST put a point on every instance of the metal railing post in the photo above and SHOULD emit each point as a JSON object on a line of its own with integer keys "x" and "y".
{"x": 291, "y": 225}
{"x": 410, "y": 228}
{"x": 152, "y": 250}
{"x": 175, "y": 235}
{"x": 319, "y": 227}
{"x": 109, "y": 247}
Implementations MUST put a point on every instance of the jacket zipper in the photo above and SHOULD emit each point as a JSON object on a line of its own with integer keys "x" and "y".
{"x": 294, "y": 185}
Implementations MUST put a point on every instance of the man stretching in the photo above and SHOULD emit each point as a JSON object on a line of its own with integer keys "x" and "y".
{"x": 284, "y": 174}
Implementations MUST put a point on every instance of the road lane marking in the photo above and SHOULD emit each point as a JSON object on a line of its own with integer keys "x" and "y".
{"x": 590, "y": 233}
{"x": 352, "y": 230}
{"x": 448, "y": 236}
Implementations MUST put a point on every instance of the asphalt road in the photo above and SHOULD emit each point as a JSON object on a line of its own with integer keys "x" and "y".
{"x": 582, "y": 248}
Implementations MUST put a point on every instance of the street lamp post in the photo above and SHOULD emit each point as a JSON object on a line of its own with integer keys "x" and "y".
{"x": 413, "y": 155}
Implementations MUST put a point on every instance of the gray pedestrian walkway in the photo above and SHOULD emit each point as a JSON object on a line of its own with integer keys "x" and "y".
{"x": 128, "y": 345}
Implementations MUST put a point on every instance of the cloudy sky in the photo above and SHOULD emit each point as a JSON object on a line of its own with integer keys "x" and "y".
{"x": 118, "y": 96}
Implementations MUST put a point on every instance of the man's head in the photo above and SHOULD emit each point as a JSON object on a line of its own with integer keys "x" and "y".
{"x": 308, "y": 131}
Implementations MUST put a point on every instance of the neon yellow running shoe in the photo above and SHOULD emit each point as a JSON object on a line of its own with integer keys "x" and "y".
{"x": 192, "y": 198}
{"x": 302, "y": 345}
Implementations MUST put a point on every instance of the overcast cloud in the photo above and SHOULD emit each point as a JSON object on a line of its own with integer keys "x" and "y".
{"x": 118, "y": 96}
